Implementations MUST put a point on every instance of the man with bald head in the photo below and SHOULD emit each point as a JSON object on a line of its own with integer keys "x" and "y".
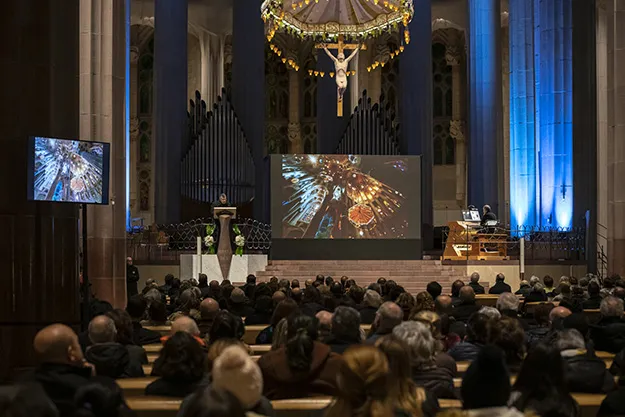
{"x": 325, "y": 325}
{"x": 308, "y": 283}
{"x": 110, "y": 358}
{"x": 209, "y": 308}
{"x": 277, "y": 297}
{"x": 296, "y": 295}
{"x": 443, "y": 304}
{"x": 63, "y": 369}
{"x": 387, "y": 317}
{"x": 185, "y": 324}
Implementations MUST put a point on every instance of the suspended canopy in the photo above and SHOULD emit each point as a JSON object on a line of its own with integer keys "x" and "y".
{"x": 327, "y": 19}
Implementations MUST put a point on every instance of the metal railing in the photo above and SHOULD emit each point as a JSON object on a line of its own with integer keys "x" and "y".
{"x": 165, "y": 243}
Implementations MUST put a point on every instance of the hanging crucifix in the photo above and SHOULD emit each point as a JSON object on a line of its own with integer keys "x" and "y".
{"x": 340, "y": 66}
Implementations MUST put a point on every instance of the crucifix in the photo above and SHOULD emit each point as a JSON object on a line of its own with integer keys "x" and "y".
{"x": 340, "y": 66}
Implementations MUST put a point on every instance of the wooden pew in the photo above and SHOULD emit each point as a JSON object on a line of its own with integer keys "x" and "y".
{"x": 147, "y": 369}
{"x": 168, "y": 407}
{"x": 156, "y": 349}
{"x": 486, "y": 299}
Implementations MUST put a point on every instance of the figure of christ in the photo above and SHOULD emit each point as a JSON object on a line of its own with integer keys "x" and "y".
{"x": 340, "y": 68}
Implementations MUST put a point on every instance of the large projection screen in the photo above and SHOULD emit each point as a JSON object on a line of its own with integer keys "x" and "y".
{"x": 346, "y": 206}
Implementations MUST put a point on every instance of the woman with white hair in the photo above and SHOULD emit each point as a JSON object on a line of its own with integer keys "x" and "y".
{"x": 438, "y": 381}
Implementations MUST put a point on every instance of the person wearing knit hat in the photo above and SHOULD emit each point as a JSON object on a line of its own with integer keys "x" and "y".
{"x": 486, "y": 384}
{"x": 236, "y": 372}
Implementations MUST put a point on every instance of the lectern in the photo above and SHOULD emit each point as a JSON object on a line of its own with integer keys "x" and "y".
{"x": 224, "y": 247}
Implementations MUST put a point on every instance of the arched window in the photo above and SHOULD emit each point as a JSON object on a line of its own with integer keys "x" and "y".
{"x": 442, "y": 101}
{"x": 390, "y": 84}
{"x": 277, "y": 103}
{"x": 309, "y": 115}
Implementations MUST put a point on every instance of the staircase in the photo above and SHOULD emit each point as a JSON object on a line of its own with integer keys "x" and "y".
{"x": 412, "y": 275}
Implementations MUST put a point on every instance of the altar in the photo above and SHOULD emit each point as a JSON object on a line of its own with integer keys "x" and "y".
{"x": 193, "y": 265}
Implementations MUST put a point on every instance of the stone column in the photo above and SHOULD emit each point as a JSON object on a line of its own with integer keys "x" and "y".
{"x": 415, "y": 112}
{"x": 485, "y": 102}
{"x": 295, "y": 129}
{"x": 603, "y": 216}
{"x": 102, "y": 118}
{"x": 40, "y": 240}
{"x": 616, "y": 135}
{"x": 134, "y": 130}
{"x": 170, "y": 105}
{"x": 456, "y": 128}
{"x": 248, "y": 91}
{"x": 555, "y": 29}
{"x": 523, "y": 197}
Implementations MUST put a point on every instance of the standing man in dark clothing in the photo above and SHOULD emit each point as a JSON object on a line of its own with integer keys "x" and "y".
{"x": 500, "y": 286}
{"x": 475, "y": 279}
{"x": 132, "y": 278}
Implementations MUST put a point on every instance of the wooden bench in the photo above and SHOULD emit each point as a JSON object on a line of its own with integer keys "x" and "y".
{"x": 251, "y": 332}
{"x": 147, "y": 369}
{"x": 168, "y": 407}
{"x": 255, "y": 349}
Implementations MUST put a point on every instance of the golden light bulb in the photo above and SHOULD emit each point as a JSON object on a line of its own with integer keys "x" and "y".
{"x": 322, "y": 73}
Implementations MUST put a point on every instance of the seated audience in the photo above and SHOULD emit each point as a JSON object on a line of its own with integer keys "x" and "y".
{"x": 437, "y": 381}
{"x": 297, "y": 295}
{"x": 388, "y": 316}
{"x": 186, "y": 325}
{"x": 584, "y": 371}
{"x": 424, "y": 302}
{"x": 441, "y": 358}
{"x": 311, "y": 302}
{"x": 486, "y": 388}
{"x": 608, "y": 286}
{"x": 564, "y": 293}
{"x": 169, "y": 280}
{"x": 609, "y": 332}
{"x": 250, "y": 286}
{"x": 124, "y": 328}
{"x": 136, "y": 309}
{"x": 443, "y": 305}
{"x": 455, "y": 292}
{"x": 345, "y": 329}
{"x": 284, "y": 309}
{"x": 26, "y": 400}
{"x": 475, "y": 283}
{"x": 406, "y": 302}
{"x": 187, "y": 304}
{"x": 214, "y": 290}
{"x": 536, "y": 294}
{"x": 226, "y": 326}
{"x": 263, "y": 309}
{"x": 303, "y": 367}
{"x": 157, "y": 314}
{"x": 279, "y": 335}
{"x": 539, "y": 330}
{"x": 237, "y": 304}
{"x": 548, "y": 282}
{"x": 402, "y": 390}
{"x": 524, "y": 289}
{"x": 62, "y": 370}
{"x": 541, "y": 385}
{"x": 508, "y": 335}
{"x": 500, "y": 286}
{"x": 371, "y": 303}
{"x": 361, "y": 383}
{"x": 594, "y": 298}
{"x": 434, "y": 289}
{"x": 476, "y": 338}
{"x": 614, "y": 403}
{"x": 325, "y": 325}
{"x": 209, "y": 308}
{"x": 508, "y": 306}
{"x": 181, "y": 365}
{"x": 109, "y": 357}
{"x": 467, "y": 305}
{"x": 96, "y": 400}
{"x": 212, "y": 402}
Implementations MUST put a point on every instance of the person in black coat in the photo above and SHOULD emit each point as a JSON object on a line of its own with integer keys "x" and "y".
{"x": 181, "y": 366}
{"x": 477, "y": 288}
{"x": 477, "y": 336}
{"x": 370, "y": 304}
{"x": 345, "y": 329}
{"x": 62, "y": 370}
{"x": 594, "y": 297}
{"x": 263, "y": 310}
{"x": 487, "y": 215}
{"x": 467, "y": 305}
{"x": 132, "y": 278}
{"x": 311, "y": 302}
{"x": 110, "y": 358}
{"x": 500, "y": 286}
{"x": 609, "y": 332}
{"x": 136, "y": 309}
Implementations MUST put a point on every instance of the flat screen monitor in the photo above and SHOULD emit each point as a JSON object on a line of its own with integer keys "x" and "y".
{"x": 68, "y": 171}
{"x": 471, "y": 216}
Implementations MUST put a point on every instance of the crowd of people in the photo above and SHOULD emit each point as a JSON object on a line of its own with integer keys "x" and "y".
{"x": 401, "y": 366}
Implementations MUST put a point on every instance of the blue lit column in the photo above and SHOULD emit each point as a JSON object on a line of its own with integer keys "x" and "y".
{"x": 485, "y": 102}
{"x": 556, "y": 112}
{"x": 523, "y": 198}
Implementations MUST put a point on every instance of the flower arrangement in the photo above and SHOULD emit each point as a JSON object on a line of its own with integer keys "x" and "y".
{"x": 209, "y": 241}
{"x": 239, "y": 240}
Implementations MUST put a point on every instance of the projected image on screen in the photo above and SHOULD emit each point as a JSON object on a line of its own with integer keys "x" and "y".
{"x": 68, "y": 170}
{"x": 345, "y": 197}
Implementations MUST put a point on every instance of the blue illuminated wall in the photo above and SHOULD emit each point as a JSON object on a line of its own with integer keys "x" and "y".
{"x": 541, "y": 106}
